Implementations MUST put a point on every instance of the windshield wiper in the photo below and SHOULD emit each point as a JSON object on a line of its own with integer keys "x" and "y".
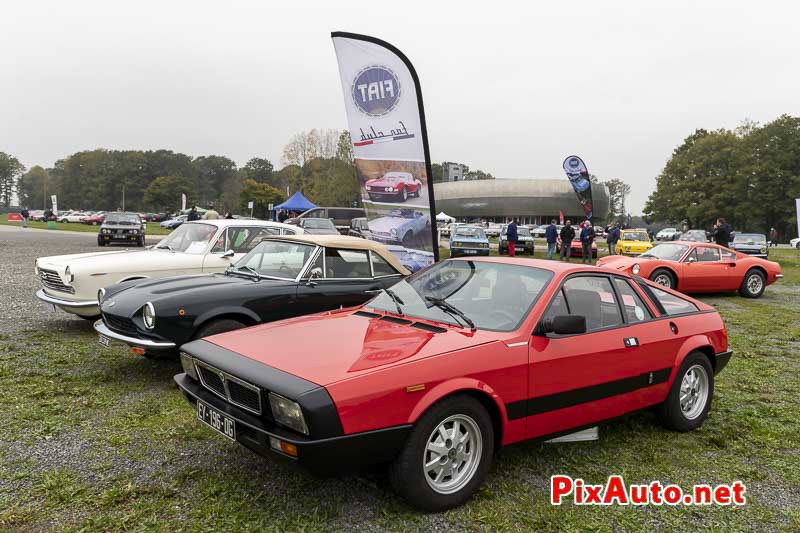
{"x": 449, "y": 308}
{"x": 398, "y": 302}
{"x": 165, "y": 247}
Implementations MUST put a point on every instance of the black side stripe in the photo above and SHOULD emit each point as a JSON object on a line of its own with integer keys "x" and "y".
{"x": 592, "y": 393}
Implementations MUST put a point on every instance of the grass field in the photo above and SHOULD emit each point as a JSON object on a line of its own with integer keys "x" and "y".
{"x": 152, "y": 227}
{"x": 98, "y": 439}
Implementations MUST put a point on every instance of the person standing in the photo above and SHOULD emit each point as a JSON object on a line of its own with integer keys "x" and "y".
{"x": 567, "y": 234}
{"x": 193, "y": 214}
{"x": 587, "y": 238}
{"x": 512, "y": 236}
{"x": 613, "y": 238}
{"x": 551, "y": 234}
{"x": 211, "y": 213}
{"x": 24, "y": 214}
{"x": 722, "y": 233}
{"x": 773, "y": 237}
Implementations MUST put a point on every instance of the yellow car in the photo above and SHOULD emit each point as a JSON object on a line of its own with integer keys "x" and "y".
{"x": 633, "y": 242}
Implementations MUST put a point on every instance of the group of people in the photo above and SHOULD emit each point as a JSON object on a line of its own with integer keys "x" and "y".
{"x": 210, "y": 214}
{"x": 566, "y": 236}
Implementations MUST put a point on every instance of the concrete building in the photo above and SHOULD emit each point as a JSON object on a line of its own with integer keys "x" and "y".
{"x": 531, "y": 201}
{"x": 453, "y": 171}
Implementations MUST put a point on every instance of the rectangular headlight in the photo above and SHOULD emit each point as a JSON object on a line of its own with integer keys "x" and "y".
{"x": 288, "y": 413}
{"x": 187, "y": 363}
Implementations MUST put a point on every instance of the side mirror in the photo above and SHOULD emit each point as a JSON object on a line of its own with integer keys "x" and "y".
{"x": 562, "y": 325}
{"x": 228, "y": 254}
{"x": 691, "y": 259}
{"x": 313, "y": 276}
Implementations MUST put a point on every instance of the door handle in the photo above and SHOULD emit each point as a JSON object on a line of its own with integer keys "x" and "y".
{"x": 631, "y": 342}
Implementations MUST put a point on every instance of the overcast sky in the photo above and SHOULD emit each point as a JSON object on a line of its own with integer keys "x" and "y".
{"x": 510, "y": 88}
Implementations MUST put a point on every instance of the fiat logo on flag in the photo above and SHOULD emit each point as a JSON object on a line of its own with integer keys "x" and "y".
{"x": 376, "y": 91}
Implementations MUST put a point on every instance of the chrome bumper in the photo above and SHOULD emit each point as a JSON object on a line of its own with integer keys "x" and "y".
{"x": 778, "y": 276}
{"x": 43, "y": 296}
{"x": 102, "y": 329}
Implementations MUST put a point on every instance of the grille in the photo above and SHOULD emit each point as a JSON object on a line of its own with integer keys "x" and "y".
{"x": 52, "y": 280}
{"x": 120, "y": 324}
{"x": 230, "y": 388}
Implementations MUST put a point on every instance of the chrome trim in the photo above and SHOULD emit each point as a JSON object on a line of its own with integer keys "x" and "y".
{"x": 515, "y": 344}
{"x": 43, "y": 296}
{"x": 104, "y": 330}
{"x": 778, "y": 276}
{"x": 52, "y": 280}
{"x": 225, "y": 377}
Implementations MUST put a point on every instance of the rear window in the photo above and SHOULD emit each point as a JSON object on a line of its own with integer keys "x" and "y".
{"x": 672, "y": 305}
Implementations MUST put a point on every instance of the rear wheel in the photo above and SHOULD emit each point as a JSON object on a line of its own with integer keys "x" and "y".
{"x": 664, "y": 277}
{"x": 404, "y": 194}
{"x": 447, "y": 455}
{"x": 689, "y": 399}
{"x": 216, "y": 327}
{"x": 753, "y": 284}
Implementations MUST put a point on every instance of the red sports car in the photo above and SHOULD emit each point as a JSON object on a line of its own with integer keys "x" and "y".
{"x": 397, "y": 186}
{"x": 96, "y": 219}
{"x": 695, "y": 267}
{"x": 576, "y": 248}
{"x": 433, "y": 375}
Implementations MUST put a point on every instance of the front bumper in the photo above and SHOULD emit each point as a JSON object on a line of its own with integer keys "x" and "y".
{"x": 456, "y": 252}
{"x": 722, "y": 361}
{"x": 147, "y": 344}
{"x": 79, "y": 307}
{"x": 120, "y": 238}
{"x": 326, "y": 455}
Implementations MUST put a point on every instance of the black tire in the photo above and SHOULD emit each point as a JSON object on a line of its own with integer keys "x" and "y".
{"x": 403, "y": 196}
{"x": 669, "y": 412}
{"x": 406, "y": 240}
{"x": 140, "y": 242}
{"x": 664, "y": 277}
{"x": 753, "y": 284}
{"x": 372, "y": 197}
{"x": 406, "y": 473}
{"x": 797, "y": 245}
{"x": 101, "y": 242}
{"x": 215, "y": 327}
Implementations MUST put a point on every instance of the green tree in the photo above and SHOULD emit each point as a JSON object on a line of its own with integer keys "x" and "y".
{"x": 164, "y": 193}
{"x": 344, "y": 148}
{"x": 10, "y": 171}
{"x": 436, "y": 172}
{"x": 213, "y": 173}
{"x": 618, "y": 190}
{"x": 258, "y": 169}
{"x": 32, "y": 188}
{"x": 261, "y": 195}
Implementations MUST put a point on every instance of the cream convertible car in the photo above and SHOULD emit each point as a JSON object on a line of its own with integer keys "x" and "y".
{"x": 72, "y": 282}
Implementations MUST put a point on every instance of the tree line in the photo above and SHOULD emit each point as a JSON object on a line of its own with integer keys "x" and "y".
{"x": 750, "y": 176}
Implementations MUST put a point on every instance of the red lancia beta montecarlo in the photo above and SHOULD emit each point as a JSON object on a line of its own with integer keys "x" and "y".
{"x": 432, "y": 376}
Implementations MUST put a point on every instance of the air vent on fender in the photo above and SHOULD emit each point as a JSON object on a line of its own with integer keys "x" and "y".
{"x": 394, "y": 320}
{"x": 428, "y": 327}
{"x": 367, "y": 314}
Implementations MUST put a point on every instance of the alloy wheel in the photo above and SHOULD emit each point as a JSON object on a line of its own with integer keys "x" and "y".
{"x": 664, "y": 280}
{"x": 694, "y": 392}
{"x": 754, "y": 283}
{"x": 452, "y": 454}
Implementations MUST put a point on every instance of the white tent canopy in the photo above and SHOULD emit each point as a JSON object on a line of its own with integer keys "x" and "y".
{"x": 443, "y": 217}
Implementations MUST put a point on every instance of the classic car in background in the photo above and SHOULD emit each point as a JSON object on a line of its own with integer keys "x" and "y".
{"x": 700, "y": 267}
{"x": 281, "y": 277}
{"x": 95, "y": 219}
{"x": 318, "y": 226}
{"x": 125, "y": 228}
{"x": 493, "y": 229}
{"x": 434, "y": 375}
{"x": 668, "y": 234}
{"x": 72, "y": 216}
{"x": 341, "y": 216}
{"x": 72, "y": 282}
{"x": 524, "y": 241}
{"x": 359, "y": 227}
{"x": 538, "y": 231}
{"x": 795, "y": 243}
{"x": 393, "y": 186}
{"x": 694, "y": 235}
{"x": 172, "y": 223}
{"x": 576, "y": 248}
{"x": 469, "y": 240}
{"x": 754, "y": 244}
{"x": 400, "y": 226}
{"x": 413, "y": 260}
{"x": 633, "y": 242}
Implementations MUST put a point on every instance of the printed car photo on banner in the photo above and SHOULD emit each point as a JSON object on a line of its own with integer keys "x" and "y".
{"x": 390, "y": 147}
{"x": 578, "y": 176}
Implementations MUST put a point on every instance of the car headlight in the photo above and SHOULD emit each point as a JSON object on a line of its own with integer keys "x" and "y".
{"x": 288, "y": 413}
{"x": 394, "y": 232}
{"x": 635, "y": 268}
{"x": 69, "y": 276}
{"x": 149, "y": 316}
{"x": 763, "y": 250}
{"x": 187, "y": 363}
{"x": 100, "y": 295}
{"x": 456, "y": 244}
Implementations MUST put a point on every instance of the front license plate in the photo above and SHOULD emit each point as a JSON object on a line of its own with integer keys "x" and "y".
{"x": 103, "y": 340}
{"x": 220, "y": 422}
{"x": 470, "y": 251}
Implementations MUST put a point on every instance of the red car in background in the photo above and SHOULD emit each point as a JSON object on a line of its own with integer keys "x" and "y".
{"x": 393, "y": 186}
{"x": 576, "y": 248}
{"x": 696, "y": 267}
{"x": 95, "y": 219}
{"x": 434, "y": 374}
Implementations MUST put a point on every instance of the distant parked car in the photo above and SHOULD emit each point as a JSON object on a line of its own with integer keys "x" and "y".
{"x": 75, "y": 216}
{"x": 469, "y": 240}
{"x": 493, "y": 229}
{"x": 400, "y": 226}
{"x": 318, "y": 226}
{"x": 694, "y": 235}
{"x": 524, "y": 241}
{"x": 36, "y": 214}
{"x": 538, "y": 231}
{"x": 795, "y": 243}
{"x": 576, "y": 248}
{"x": 668, "y": 234}
{"x": 95, "y": 219}
{"x": 173, "y": 223}
{"x": 393, "y": 187}
{"x": 633, "y": 242}
{"x": 751, "y": 244}
{"x": 359, "y": 227}
{"x": 341, "y": 216}
{"x": 126, "y": 228}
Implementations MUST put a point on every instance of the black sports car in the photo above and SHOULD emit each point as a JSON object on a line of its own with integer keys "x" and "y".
{"x": 281, "y": 277}
{"x": 121, "y": 227}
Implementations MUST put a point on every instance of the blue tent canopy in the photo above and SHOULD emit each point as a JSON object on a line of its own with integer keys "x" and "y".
{"x": 297, "y": 202}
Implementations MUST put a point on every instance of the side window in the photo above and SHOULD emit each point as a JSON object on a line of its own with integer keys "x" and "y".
{"x": 221, "y": 244}
{"x": 346, "y": 263}
{"x": 635, "y": 309}
{"x": 558, "y": 306}
{"x": 728, "y": 255}
{"x": 592, "y": 297}
{"x": 707, "y": 254}
{"x": 287, "y": 231}
{"x": 380, "y": 267}
{"x": 317, "y": 264}
{"x": 673, "y": 305}
{"x": 337, "y": 214}
{"x": 316, "y": 213}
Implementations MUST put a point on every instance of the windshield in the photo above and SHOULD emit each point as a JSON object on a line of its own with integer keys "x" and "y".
{"x": 493, "y": 296}
{"x": 667, "y": 251}
{"x": 470, "y": 233}
{"x": 635, "y": 236}
{"x": 276, "y": 259}
{"x": 191, "y": 238}
{"x": 667, "y": 230}
{"x": 750, "y": 238}
{"x": 318, "y": 223}
{"x": 523, "y": 232}
{"x": 123, "y": 218}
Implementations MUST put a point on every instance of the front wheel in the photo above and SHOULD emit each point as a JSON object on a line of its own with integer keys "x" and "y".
{"x": 404, "y": 195}
{"x": 753, "y": 284}
{"x": 663, "y": 277}
{"x": 689, "y": 399}
{"x": 447, "y": 455}
{"x": 218, "y": 326}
